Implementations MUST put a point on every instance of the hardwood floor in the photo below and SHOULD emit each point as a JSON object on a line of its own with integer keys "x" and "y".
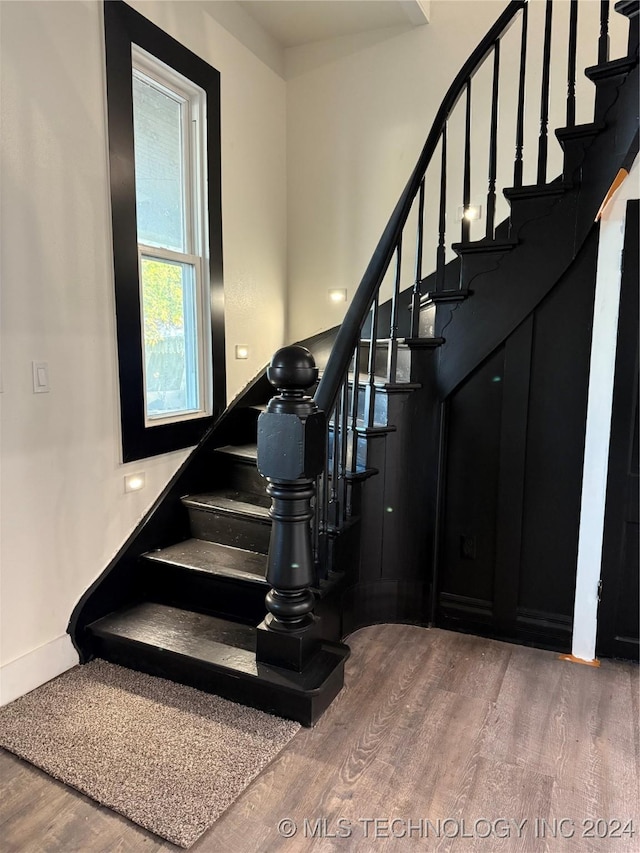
{"x": 472, "y": 735}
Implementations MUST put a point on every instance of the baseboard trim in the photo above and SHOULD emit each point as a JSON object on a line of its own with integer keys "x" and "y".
{"x": 466, "y": 604}
{"x": 530, "y": 627}
{"x": 34, "y": 668}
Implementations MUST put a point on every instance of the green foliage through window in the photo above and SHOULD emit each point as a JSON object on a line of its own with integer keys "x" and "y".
{"x": 163, "y": 300}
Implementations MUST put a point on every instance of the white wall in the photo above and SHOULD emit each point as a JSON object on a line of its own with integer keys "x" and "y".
{"x": 63, "y": 508}
{"x": 358, "y": 112}
{"x": 253, "y": 183}
{"x": 599, "y": 411}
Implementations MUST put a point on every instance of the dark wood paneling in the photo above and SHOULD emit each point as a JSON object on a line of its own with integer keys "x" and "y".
{"x": 555, "y": 439}
{"x": 469, "y": 542}
{"x": 511, "y": 476}
{"x": 514, "y": 473}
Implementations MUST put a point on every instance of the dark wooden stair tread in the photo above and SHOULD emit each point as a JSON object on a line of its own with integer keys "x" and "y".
{"x": 211, "y": 643}
{"x": 211, "y": 557}
{"x": 432, "y": 297}
{"x": 579, "y": 131}
{"x": 381, "y": 342}
{"x": 241, "y": 452}
{"x": 424, "y": 343}
{"x": 181, "y": 631}
{"x": 380, "y": 382}
{"x": 485, "y": 245}
{"x": 232, "y": 502}
{"x": 612, "y": 68}
{"x": 532, "y": 191}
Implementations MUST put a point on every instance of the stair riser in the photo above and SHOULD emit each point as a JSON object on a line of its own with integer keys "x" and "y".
{"x": 574, "y": 154}
{"x": 403, "y": 364}
{"x": 360, "y": 448}
{"x": 244, "y": 477}
{"x": 380, "y": 406}
{"x": 202, "y": 592}
{"x": 244, "y": 689}
{"x": 523, "y": 210}
{"x": 245, "y": 533}
{"x": 607, "y": 94}
{"x": 381, "y": 398}
{"x": 428, "y": 322}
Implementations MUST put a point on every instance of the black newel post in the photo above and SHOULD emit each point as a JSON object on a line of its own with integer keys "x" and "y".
{"x": 291, "y": 441}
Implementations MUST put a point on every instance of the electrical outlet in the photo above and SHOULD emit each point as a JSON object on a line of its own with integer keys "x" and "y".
{"x": 468, "y": 547}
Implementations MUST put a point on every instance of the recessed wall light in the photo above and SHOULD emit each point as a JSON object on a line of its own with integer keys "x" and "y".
{"x": 134, "y": 482}
{"x": 471, "y": 213}
{"x": 242, "y": 351}
{"x": 338, "y": 295}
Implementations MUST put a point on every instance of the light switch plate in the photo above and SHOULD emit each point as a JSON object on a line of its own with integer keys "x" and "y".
{"x": 40, "y": 377}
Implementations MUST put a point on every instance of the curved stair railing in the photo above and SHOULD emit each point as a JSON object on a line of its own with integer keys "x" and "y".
{"x": 347, "y": 388}
{"x": 365, "y": 300}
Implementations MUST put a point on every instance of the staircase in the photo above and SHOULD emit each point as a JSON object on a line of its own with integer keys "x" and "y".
{"x": 199, "y": 602}
{"x": 185, "y": 597}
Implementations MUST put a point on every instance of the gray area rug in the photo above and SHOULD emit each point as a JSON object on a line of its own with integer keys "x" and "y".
{"x": 166, "y": 756}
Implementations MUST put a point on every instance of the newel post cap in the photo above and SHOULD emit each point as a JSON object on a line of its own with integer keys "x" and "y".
{"x": 292, "y": 368}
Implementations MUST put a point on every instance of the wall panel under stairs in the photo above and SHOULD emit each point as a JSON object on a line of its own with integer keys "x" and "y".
{"x": 513, "y": 473}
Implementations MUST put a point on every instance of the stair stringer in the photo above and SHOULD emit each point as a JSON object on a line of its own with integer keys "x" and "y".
{"x": 506, "y": 294}
{"x": 123, "y": 581}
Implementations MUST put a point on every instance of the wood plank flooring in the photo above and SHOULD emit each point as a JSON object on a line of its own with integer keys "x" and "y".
{"x": 478, "y": 737}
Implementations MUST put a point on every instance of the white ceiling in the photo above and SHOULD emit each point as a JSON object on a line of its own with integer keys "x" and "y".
{"x": 296, "y": 22}
{"x": 269, "y": 28}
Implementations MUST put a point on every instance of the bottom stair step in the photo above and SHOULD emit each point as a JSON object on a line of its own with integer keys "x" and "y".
{"x": 218, "y": 656}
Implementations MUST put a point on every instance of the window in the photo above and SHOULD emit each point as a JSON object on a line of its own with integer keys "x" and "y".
{"x": 164, "y": 152}
{"x": 170, "y": 157}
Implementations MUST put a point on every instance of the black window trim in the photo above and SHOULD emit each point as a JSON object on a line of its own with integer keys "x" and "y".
{"x": 124, "y": 27}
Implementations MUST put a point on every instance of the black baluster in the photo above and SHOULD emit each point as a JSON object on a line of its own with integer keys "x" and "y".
{"x": 603, "y": 41}
{"x": 392, "y": 353}
{"x": 370, "y": 392}
{"x": 315, "y": 526}
{"x": 416, "y": 292}
{"x": 544, "y": 99}
{"x": 517, "y": 167}
{"x": 466, "y": 185}
{"x": 442, "y": 214}
{"x": 335, "y": 463}
{"x": 354, "y": 408}
{"x": 571, "y": 67}
{"x": 290, "y": 455}
{"x": 322, "y": 512}
{"x": 344, "y": 447}
{"x": 493, "y": 145}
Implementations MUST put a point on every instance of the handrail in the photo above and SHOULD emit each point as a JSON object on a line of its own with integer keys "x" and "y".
{"x": 348, "y": 335}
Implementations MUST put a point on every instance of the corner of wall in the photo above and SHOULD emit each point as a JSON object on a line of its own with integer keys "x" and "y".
{"x": 29, "y": 671}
